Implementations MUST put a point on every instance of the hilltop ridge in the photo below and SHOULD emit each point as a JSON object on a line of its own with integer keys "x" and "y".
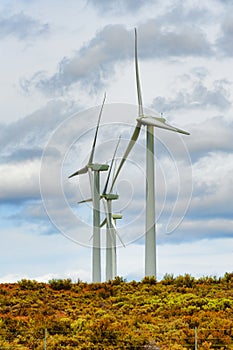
{"x": 118, "y": 314}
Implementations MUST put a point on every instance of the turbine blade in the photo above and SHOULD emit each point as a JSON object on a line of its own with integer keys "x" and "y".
{"x": 96, "y": 132}
{"x": 91, "y": 181}
{"x": 103, "y": 222}
{"x": 180, "y": 131}
{"x": 106, "y": 212}
{"x": 108, "y": 221}
{"x": 110, "y": 168}
{"x": 116, "y": 232}
{"x": 140, "y": 108}
{"x": 85, "y": 200}
{"x": 79, "y": 172}
{"x": 128, "y": 149}
{"x": 159, "y": 123}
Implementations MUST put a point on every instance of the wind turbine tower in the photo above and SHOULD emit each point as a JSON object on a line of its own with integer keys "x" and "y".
{"x": 111, "y": 230}
{"x": 93, "y": 170}
{"x": 150, "y": 122}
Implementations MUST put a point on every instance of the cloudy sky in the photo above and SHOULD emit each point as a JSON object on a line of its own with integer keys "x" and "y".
{"x": 57, "y": 60}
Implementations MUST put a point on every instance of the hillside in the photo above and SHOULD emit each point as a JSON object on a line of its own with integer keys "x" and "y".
{"x": 118, "y": 314}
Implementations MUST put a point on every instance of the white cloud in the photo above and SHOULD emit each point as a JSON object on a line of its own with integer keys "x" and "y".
{"x": 48, "y": 257}
{"x": 19, "y": 181}
{"x": 203, "y": 258}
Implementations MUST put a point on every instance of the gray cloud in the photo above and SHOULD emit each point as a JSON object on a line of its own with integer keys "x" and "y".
{"x": 210, "y": 148}
{"x": 211, "y": 181}
{"x": 157, "y": 40}
{"x": 195, "y": 230}
{"x": 198, "y": 96}
{"x": 22, "y": 154}
{"x": 93, "y": 64}
{"x": 23, "y": 138}
{"x": 212, "y": 170}
{"x": 211, "y": 205}
{"x": 21, "y": 26}
{"x": 225, "y": 42}
{"x": 173, "y": 13}
{"x": 119, "y": 6}
{"x": 179, "y": 12}
{"x": 22, "y": 144}
{"x": 212, "y": 135}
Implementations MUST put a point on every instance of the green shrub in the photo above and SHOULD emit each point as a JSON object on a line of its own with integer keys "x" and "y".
{"x": 168, "y": 278}
{"x": 60, "y": 284}
{"x": 29, "y": 284}
{"x": 149, "y": 280}
{"x": 185, "y": 281}
{"x": 118, "y": 280}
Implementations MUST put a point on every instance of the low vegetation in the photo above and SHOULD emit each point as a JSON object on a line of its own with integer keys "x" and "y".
{"x": 118, "y": 314}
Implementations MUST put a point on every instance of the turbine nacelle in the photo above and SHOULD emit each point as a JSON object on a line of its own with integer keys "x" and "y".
{"x": 114, "y": 216}
{"x": 159, "y": 123}
{"x": 93, "y": 166}
{"x": 142, "y": 116}
{"x": 98, "y": 167}
{"x": 110, "y": 196}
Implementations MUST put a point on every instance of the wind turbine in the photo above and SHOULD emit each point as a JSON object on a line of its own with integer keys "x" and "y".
{"x": 111, "y": 230}
{"x": 111, "y": 254}
{"x": 115, "y": 217}
{"x": 150, "y": 122}
{"x": 93, "y": 170}
{"x": 110, "y": 222}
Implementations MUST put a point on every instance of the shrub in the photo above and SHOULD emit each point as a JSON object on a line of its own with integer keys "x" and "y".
{"x": 149, "y": 280}
{"x": 168, "y": 278}
{"x": 60, "y": 284}
{"x": 28, "y": 284}
{"x": 185, "y": 281}
{"x": 118, "y": 280}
